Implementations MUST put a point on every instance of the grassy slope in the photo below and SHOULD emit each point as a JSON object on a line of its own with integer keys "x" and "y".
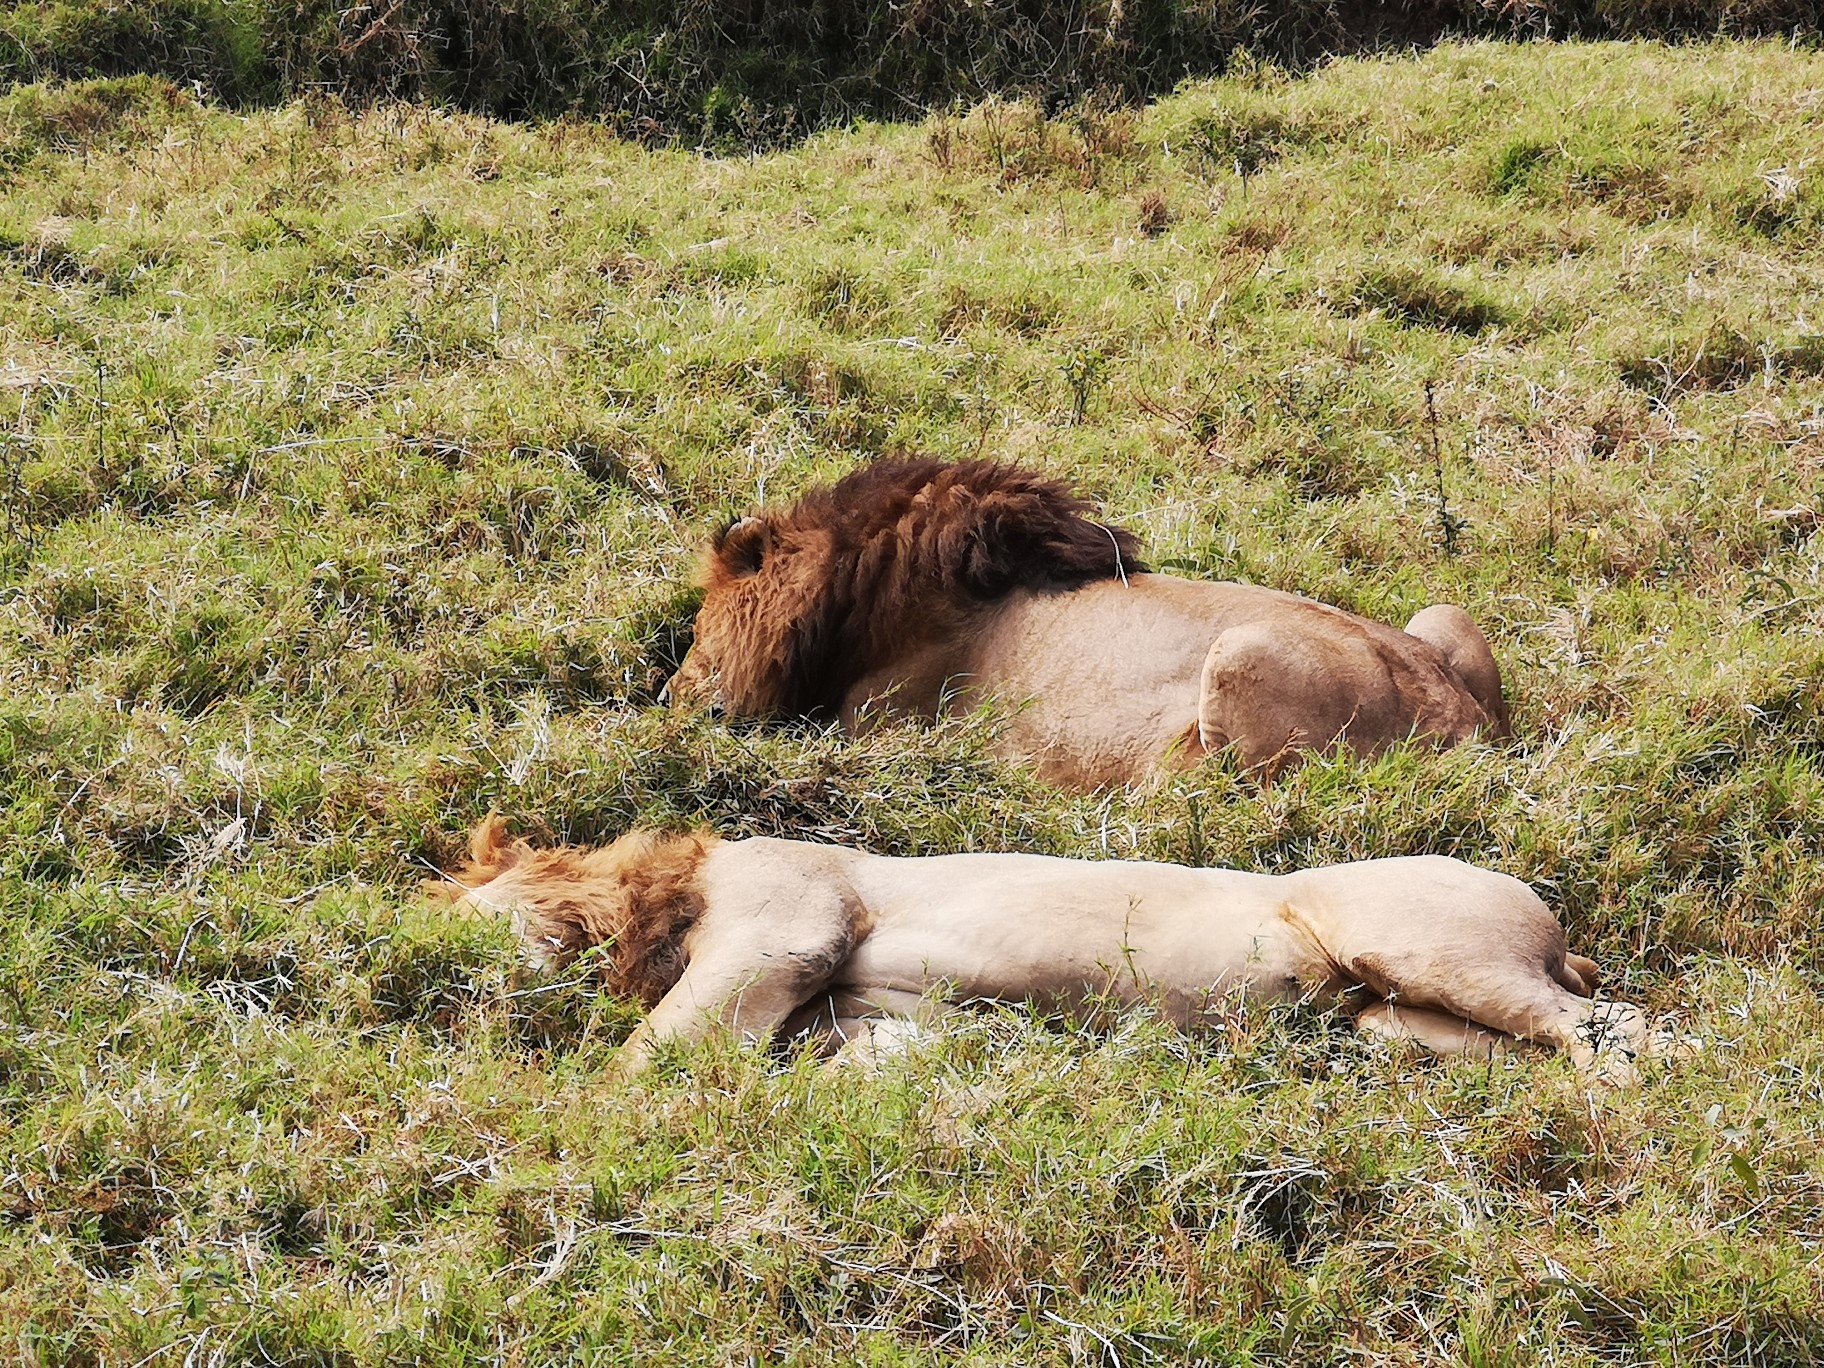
{"x": 407, "y": 427}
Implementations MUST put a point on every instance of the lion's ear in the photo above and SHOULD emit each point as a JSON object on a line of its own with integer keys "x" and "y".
{"x": 743, "y": 546}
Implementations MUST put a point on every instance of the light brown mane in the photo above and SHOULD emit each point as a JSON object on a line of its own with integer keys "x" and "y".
{"x": 803, "y": 602}
{"x": 635, "y": 898}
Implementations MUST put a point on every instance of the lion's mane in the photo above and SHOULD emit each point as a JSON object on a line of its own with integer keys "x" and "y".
{"x": 635, "y": 899}
{"x": 898, "y": 552}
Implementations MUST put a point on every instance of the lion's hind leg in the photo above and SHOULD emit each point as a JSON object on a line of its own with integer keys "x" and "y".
{"x": 1604, "y": 1041}
{"x": 1602, "y": 1037}
{"x": 1429, "y": 932}
{"x": 1258, "y": 695}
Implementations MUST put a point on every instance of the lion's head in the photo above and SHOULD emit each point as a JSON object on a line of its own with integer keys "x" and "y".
{"x": 633, "y": 900}
{"x": 799, "y": 604}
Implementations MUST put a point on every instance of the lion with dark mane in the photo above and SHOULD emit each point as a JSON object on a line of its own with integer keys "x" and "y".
{"x": 914, "y": 585}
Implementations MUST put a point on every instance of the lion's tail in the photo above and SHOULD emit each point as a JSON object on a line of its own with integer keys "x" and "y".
{"x": 491, "y": 853}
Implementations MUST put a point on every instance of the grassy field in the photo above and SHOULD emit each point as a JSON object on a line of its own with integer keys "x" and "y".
{"x": 354, "y": 466}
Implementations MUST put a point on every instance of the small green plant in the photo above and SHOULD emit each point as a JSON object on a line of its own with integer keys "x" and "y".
{"x": 1083, "y": 370}
{"x": 1517, "y": 164}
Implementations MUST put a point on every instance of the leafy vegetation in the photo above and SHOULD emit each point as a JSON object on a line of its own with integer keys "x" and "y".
{"x": 354, "y": 464}
{"x": 754, "y": 73}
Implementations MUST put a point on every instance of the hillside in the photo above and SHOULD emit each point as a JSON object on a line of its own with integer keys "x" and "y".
{"x": 355, "y": 466}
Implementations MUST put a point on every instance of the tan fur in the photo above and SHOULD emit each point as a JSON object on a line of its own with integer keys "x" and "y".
{"x": 763, "y": 935}
{"x": 635, "y": 898}
{"x": 914, "y": 586}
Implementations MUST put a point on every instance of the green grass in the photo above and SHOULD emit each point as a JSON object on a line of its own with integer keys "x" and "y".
{"x": 354, "y": 465}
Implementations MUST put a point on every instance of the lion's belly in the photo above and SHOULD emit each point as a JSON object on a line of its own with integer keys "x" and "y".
{"x": 1028, "y": 928}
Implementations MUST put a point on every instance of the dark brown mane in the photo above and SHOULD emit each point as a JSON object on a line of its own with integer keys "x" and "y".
{"x": 976, "y": 527}
{"x": 636, "y": 897}
{"x": 904, "y": 550}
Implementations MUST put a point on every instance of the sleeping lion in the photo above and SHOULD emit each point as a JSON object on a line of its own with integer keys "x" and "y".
{"x": 912, "y": 586}
{"x": 768, "y": 936}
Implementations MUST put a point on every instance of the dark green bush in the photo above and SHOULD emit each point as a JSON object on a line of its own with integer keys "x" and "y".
{"x": 753, "y": 72}
{"x": 219, "y": 45}
{"x": 90, "y": 117}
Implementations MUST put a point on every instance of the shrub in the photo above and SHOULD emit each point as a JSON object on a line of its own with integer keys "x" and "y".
{"x": 757, "y": 72}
